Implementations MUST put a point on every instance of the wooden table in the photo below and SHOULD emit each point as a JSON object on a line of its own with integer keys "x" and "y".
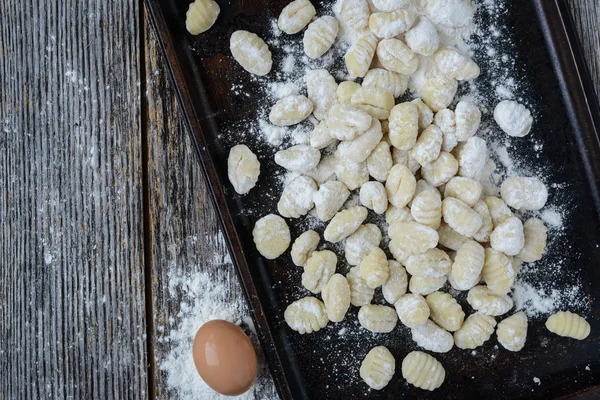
{"x": 101, "y": 199}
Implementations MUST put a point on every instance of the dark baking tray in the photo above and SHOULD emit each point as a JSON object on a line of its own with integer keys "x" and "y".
{"x": 325, "y": 365}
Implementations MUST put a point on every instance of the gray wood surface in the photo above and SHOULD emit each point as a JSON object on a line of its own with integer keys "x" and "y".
{"x": 72, "y": 321}
{"x": 72, "y": 304}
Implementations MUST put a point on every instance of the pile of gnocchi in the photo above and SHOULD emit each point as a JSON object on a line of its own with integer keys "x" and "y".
{"x": 419, "y": 163}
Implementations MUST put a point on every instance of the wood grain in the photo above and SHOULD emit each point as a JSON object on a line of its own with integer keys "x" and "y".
{"x": 586, "y": 15}
{"x": 186, "y": 237}
{"x": 72, "y": 285}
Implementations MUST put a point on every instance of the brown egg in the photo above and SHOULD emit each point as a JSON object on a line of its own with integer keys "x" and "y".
{"x": 224, "y": 357}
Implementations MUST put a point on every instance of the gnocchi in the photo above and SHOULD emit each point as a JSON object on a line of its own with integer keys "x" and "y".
{"x": 330, "y": 197}
{"x": 423, "y": 371}
{"x": 291, "y": 110}
{"x": 300, "y": 158}
{"x": 390, "y": 5}
{"x": 346, "y": 122}
{"x": 404, "y": 125}
{"x": 434, "y": 263}
{"x": 483, "y": 300}
{"x": 449, "y": 238}
{"x": 428, "y": 146}
{"x": 360, "y": 293}
{"x": 345, "y": 91}
{"x": 468, "y": 118}
{"x": 306, "y": 315}
{"x": 513, "y": 118}
{"x": 568, "y": 324}
{"x": 295, "y": 16}
{"x": 487, "y": 225}
{"x": 400, "y": 186}
{"x": 271, "y": 236}
{"x": 362, "y": 242}
{"x": 344, "y": 223}
{"x": 394, "y": 215}
{"x": 387, "y": 25}
{"x": 297, "y": 197}
{"x": 425, "y": 113}
{"x": 455, "y": 65}
{"x": 396, "y": 284}
{"x": 414, "y": 236}
{"x": 322, "y": 91}
{"x": 304, "y": 246}
{"x": 431, "y": 337}
{"x": 472, "y": 157}
{"x": 423, "y": 37}
{"x": 377, "y": 318}
{"x": 426, "y": 208}
{"x": 378, "y": 368}
{"x": 251, "y": 52}
{"x": 465, "y": 189}
{"x": 379, "y": 162}
{"x": 320, "y": 35}
{"x": 449, "y": 14}
{"x": 243, "y": 168}
{"x": 512, "y": 332}
{"x": 319, "y": 268}
{"x": 393, "y": 82}
{"x": 358, "y": 149}
{"x": 201, "y": 16}
{"x": 412, "y": 309}
{"x": 374, "y": 268}
{"x": 508, "y": 237}
{"x": 438, "y": 91}
{"x": 475, "y": 331}
{"x": 319, "y": 137}
{"x": 336, "y": 297}
{"x": 446, "y": 120}
{"x": 467, "y": 266}
{"x": 522, "y": 193}
{"x": 498, "y": 272}
{"x": 352, "y": 174}
{"x": 438, "y": 172}
{"x": 360, "y": 55}
{"x": 499, "y": 211}
{"x": 445, "y": 311}
{"x": 425, "y": 286}
{"x": 375, "y": 101}
{"x": 535, "y": 234}
{"x": 460, "y": 217}
{"x": 374, "y": 197}
{"x": 395, "y": 56}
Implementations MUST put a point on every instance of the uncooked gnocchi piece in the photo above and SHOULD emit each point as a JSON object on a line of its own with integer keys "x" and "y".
{"x": 487, "y": 226}
{"x": 475, "y": 331}
{"x": 377, "y": 318}
{"x": 378, "y": 368}
{"x": 201, "y": 16}
{"x": 425, "y": 113}
{"x": 445, "y": 311}
{"x": 466, "y": 189}
{"x": 400, "y": 186}
{"x": 426, "y": 208}
{"x": 243, "y": 168}
{"x": 379, "y": 162}
{"x": 360, "y": 243}
{"x": 358, "y": 149}
{"x": 424, "y": 186}
{"x": 290, "y": 110}
{"x": 449, "y": 13}
{"x": 438, "y": 172}
{"x": 438, "y": 92}
{"x": 374, "y": 268}
{"x": 396, "y": 284}
{"x": 344, "y": 223}
{"x": 423, "y": 371}
{"x": 446, "y": 120}
{"x": 375, "y": 101}
{"x": 460, "y": 217}
{"x": 322, "y": 91}
{"x": 346, "y": 122}
{"x": 393, "y": 82}
{"x": 395, "y": 56}
{"x": 404, "y": 125}
{"x": 499, "y": 211}
{"x": 320, "y": 35}
{"x": 432, "y": 338}
{"x": 336, "y": 297}
{"x": 425, "y": 286}
{"x": 412, "y": 309}
{"x": 386, "y": 25}
{"x": 568, "y": 324}
{"x": 319, "y": 137}
{"x": 498, "y": 272}
{"x": 434, "y": 263}
{"x": 468, "y": 118}
{"x": 360, "y": 293}
{"x": 351, "y": 173}
{"x": 319, "y": 268}
{"x": 360, "y": 55}
{"x": 467, "y": 266}
{"x": 398, "y": 251}
{"x": 297, "y": 197}
{"x": 423, "y": 38}
{"x": 508, "y": 237}
{"x": 483, "y": 300}
{"x": 271, "y": 236}
{"x": 354, "y": 15}
{"x": 394, "y": 215}
{"x": 251, "y": 52}
{"x": 512, "y": 332}
{"x": 304, "y": 246}
{"x": 374, "y": 197}
{"x": 414, "y": 237}
{"x": 345, "y": 91}
{"x": 306, "y": 315}
{"x": 472, "y": 157}
{"x": 513, "y": 118}
{"x": 300, "y": 158}
{"x": 449, "y": 238}
{"x": 295, "y": 16}
{"x": 535, "y": 233}
{"x": 325, "y": 170}
{"x": 390, "y": 5}
{"x": 428, "y": 146}
{"x": 522, "y": 193}
{"x": 330, "y": 197}
{"x": 455, "y": 65}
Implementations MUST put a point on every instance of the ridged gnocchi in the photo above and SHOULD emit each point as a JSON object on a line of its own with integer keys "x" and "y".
{"x": 374, "y": 197}
{"x": 319, "y": 137}
{"x": 423, "y": 371}
{"x": 568, "y": 324}
{"x": 535, "y": 233}
{"x": 360, "y": 293}
{"x": 243, "y": 168}
{"x": 483, "y": 300}
{"x": 512, "y": 331}
{"x": 468, "y": 264}
{"x": 296, "y": 16}
{"x": 306, "y": 315}
{"x": 428, "y": 145}
{"x": 487, "y": 226}
{"x": 393, "y": 82}
{"x": 498, "y": 272}
{"x": 438, "y": 172}
{"x": 362, "y": 242}
{"x": 387, "y": 25}
{"x": 423, "y": 37}
{"x": 455, "y": 65}
{"x": 346, "y": 122}
{"x": 375, "y": 101}
{"x": 508, "y": 237}
{"x": 499, "y": 211}
{"x": 445, "y": 311}
{"x": 374, "y": 268}
{"x": 304, "y": 246}
{"x": 400, "y": 185}
{"x": 321, "y": 88}
{"x": 412, "y": 309}
{"x": 395, "y": 56}
{"x": 320, "y": 35}
{"x": 271, "y": 236}
{"x": 438, "y": 91}
{"x": 291, "y": 110}
{"x": 330, "y": 197}
{"x": 360, "y": 55}
{"x": 336, "y": 297}
{"x": 460, "y": 217}
{"x": 201, "y": 16}
{"x": 297, "y": 197}
{"x": 432, "y": 338}
{"x": 379, "y": 162}
{"x": 404, "y": 125}
{"x": 300, "y": 158}
{"x": 475, "y": 331}
{"x": 358, "y": 149}
{"x": 319, "y": 268}
{"x": 426, "y": 208}
{"x": 446, "y": 120}
{"x": 424, "y": 286}
{"x": 396, "y": 284}
{"x": 345, "y": 91}
{"x": 465, "y": 189}
{"x": 434, "y": 263}
{"x": 378, "y": 368}
{"x": 425, "y": 113}
{"x": 352, "y": 174}
{"x": 472, "y": 157}
{"x": 344, "y": 223}
{"x": 449, "y": 238}
{"x": 377, "y": 318}
{"x": 251, "y": 52}
{"x": 468, "y": 118}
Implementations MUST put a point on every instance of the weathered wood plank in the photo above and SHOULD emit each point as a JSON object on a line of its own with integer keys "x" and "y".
{"x": 586, "y": 15}
{"x": 72, "y": 319}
